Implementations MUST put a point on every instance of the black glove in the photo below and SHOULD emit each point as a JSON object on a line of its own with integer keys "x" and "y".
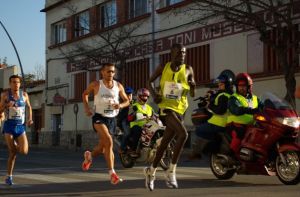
{"x": 134, "y": 108}
{"x": 251, "y": 110}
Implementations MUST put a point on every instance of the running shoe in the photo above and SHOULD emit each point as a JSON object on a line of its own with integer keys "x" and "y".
{"x": 9, "y": 180}
{"x": 115, "y": 179}
{"x": 171, "y": 179}
{"x": 87, "y": 161}
{"x": 149, "y": 181}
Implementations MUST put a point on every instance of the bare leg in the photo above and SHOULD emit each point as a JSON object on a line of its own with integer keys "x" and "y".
{"x": 173, "y": 127}
{"x": 167, "y": 137}
{"x": 22, "y": 142}
{"x": 105, "y": 145}
{"x": 12, "y": 152}
{"x": 98, "y": 149}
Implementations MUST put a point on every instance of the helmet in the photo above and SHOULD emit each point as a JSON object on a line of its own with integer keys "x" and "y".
{"x": 227, "y": 80}
{"x": 244, "y": 78}
{"x": 128, "y": 90}
{"x": 224, "y": 79}
{"x": 142, "y": 93}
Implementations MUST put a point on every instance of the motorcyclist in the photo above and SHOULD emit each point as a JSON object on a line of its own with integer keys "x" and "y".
{"x": 218, "y": 102}
{"x": 122, "y": 121}
{"x": 242, "y": 105}
{"x": 141, "y": 111}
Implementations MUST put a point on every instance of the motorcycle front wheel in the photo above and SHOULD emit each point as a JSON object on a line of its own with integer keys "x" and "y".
{"x": 126, "y": 160}
{"x": 288, "y": 173}
{"x": 219, "y": 169}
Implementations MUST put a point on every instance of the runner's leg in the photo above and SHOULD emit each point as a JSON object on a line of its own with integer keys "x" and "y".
{"x": 12, "y": 152}
{"x": 107, "y": 144}
{"x": 22, "y": 144}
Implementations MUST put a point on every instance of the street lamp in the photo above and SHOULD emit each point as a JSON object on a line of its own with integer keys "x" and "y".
{"x": 22, "y": 72}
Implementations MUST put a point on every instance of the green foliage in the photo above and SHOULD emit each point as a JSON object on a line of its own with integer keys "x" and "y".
{"x": 29, "y": 78}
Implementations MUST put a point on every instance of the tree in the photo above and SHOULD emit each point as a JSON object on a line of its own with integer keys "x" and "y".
{"x": 3, "y": 63}
{"x": 37, "y": 75}
{"x": 39, "y": 72}
{"x": 264, "y": 16}
{"x": 29, "y": 78}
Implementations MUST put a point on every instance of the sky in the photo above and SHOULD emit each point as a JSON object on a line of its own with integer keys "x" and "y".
{"x": 26, "y": 26}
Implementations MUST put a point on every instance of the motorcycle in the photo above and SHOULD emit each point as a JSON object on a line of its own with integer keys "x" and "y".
{"x": 149, "y": 141}
{"x": 202, "y": 113}
{"x": 269, "y": 147}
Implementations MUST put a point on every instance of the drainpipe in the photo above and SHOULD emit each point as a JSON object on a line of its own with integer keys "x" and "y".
{"x": 153, "y": 36}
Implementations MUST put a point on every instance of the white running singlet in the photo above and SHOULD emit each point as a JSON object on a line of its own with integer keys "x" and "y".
{"x": 104, "y": 99}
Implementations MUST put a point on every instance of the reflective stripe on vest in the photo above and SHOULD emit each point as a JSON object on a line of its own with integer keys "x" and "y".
{"x": 217, "y": 119}
{"x": 245, "y": 118}
{"x": 174, "y": 88}
{"x": 147, "y": 110}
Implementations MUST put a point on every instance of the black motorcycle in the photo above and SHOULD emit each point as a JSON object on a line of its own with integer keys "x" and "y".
{"x": 149, "y": 141}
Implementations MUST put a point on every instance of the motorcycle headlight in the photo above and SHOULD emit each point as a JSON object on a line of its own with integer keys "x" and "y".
{"x": 291, "y": 122}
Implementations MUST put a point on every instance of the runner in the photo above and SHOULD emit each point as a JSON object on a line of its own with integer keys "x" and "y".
{"x": 106, "y": 102}
{"x": 177, "y": 79}
{"x": 13, "y": 103}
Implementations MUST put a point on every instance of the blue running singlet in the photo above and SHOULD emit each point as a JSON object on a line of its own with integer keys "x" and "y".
{"x": 15, "y": 116}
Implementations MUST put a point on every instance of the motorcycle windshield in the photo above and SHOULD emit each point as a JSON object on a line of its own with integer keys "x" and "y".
{"x": 282, "y": 107}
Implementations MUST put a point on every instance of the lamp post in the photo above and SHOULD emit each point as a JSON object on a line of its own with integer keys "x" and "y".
{"x": 22, "y": 72}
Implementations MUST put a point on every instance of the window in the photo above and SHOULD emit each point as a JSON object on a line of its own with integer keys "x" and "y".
{"x": 171, "y": 2}
{"x": 136, "y": 73}
{"x": 59, "y": 32}
{"x": 80, "y": 83}
{"x": 82, "y": 24}
{"x": 199, "y": 59}
{"x": 108, "y": 13}
{"x": 94, "y": 75}
{"x": 271, "y": 62}
{"x": 137, "y": 8}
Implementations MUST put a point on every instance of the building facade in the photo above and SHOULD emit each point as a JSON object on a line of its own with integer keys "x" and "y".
{"x": 80, "y": 33}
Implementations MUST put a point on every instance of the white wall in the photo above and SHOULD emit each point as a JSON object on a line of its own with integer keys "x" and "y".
{"x": 229, "y": 53}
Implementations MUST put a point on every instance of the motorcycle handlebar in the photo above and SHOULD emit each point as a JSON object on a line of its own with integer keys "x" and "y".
{"x": 201, "y": 98}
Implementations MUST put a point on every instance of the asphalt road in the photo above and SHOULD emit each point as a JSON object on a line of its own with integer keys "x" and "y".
{"x": 58, "y": 173}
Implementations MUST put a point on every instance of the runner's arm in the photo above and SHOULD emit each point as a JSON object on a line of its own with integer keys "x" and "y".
{"x": 191, "y": 81}
{"x": 123, "y": 96}
{"x": 29, "y": 108}
{"x": 158, "y": 72}
{"x": 2, "y": 102}
{"x": 85, "y": 97}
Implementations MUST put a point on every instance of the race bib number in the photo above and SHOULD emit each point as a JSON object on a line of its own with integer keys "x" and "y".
{"x": 172, "y": 90}
{"x": 109, "y": 110}
{"x": 16, "y": 113}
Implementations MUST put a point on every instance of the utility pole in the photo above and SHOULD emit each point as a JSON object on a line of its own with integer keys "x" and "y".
{"x": 22, "y": 72}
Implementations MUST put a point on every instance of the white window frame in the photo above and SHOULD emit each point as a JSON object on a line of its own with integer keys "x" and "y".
{"x": 172, "y": 2}
{"x": 108, "y": 12}
{"x": 135, "y": 10}
{"x": 82, "y": 24}
{"x": 59, "y": 32}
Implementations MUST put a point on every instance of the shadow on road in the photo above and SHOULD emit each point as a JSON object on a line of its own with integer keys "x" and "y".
{"x": 73, "y": 189}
